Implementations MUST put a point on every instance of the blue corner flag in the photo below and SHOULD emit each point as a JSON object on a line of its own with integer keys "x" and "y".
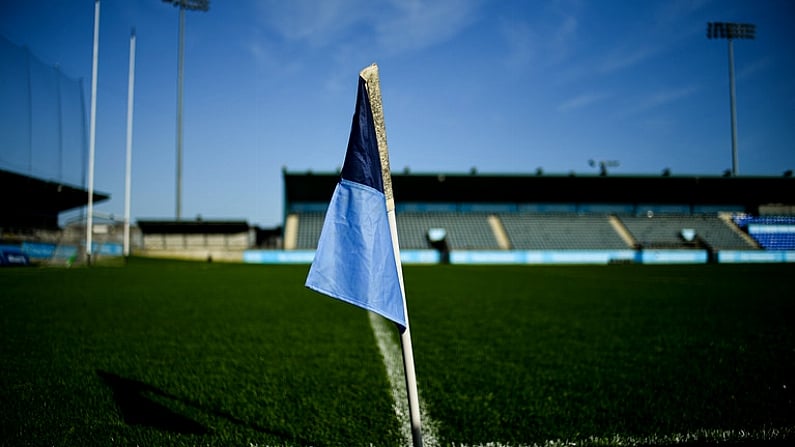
{"x": 357, "y": 258}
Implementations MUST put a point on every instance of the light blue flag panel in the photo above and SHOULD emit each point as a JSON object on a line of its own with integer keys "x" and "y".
{"x": 355, "y": 258}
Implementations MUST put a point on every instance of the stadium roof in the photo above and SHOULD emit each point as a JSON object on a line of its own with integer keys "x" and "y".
{"x": 29, "y": 202}
{"x": 192, "y": 227}
{"x": 493, "y": 188}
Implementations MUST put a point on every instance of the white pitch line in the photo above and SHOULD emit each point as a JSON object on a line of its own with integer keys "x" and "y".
{"x": 706, "y": 436}
{"x": 729, "y": 437}
{"x": 393, "y": 361}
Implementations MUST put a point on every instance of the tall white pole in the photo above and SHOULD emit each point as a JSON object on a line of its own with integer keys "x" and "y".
{"x": 92, "y": 134}
{"x": 411, "y": 387}
{"x": 180, "y": 71}
{"x": 405, "y": 344}
{"x": 128, "y": 170}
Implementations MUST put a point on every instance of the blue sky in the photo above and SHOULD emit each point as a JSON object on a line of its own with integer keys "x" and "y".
{"x": 502, "y": 86}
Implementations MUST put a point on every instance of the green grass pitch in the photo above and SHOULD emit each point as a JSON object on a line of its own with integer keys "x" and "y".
{"x": 166, "y": 353}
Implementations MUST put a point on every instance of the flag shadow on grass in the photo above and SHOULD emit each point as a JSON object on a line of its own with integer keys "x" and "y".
{"x": 137, "y": 408}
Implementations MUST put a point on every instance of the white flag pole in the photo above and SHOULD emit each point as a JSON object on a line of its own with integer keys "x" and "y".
{"x": 370, "y": 74}
{"x": 128, "y": 169}
{"x": 92, "y": 135}
{"x": 405, "y": 344}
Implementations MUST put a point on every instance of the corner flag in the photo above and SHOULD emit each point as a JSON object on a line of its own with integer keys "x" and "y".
{"x": 357, "y": 258}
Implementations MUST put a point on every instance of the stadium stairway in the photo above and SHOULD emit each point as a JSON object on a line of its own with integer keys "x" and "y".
{"x": 729, "y": 221}
{"x": 499, "y": 232}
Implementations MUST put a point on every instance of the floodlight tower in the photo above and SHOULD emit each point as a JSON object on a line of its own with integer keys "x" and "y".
{"x": 193, "y": 5}
{"x": 731, "y": 31}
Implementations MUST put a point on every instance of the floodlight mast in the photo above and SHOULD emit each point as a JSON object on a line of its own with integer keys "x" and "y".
{"x": 731, "y": 31}
{"x": 193, "y": 5}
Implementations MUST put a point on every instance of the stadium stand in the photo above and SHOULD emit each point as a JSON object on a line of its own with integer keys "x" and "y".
{"x": 770, "y": 232}
{"x": 551, "y": 216}
{"x": 551, "y": 231}
{"x": 31, "y": 203}
{"x": 309, "y": 226}
{"x": 210, "y": 240}
{"x": 666, "y": 232}
{"x": 535, "y": 231}
{"x": 465, "y": 231}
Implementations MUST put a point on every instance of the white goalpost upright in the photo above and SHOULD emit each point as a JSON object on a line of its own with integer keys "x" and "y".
{"x": 128, "y": 168}
{"x": 92, "y": 135}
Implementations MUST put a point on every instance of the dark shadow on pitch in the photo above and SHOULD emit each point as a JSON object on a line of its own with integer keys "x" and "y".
{"x": 138, "y": 409}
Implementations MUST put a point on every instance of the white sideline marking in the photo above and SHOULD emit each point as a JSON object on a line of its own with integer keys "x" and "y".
{"x": 703, "y": 435}
{"x": 393, "y": 361}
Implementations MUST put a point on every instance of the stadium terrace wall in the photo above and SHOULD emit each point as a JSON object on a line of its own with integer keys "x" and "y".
{"x": 196, "y": 240}
{"x": 583, "y": 194}
{"x": 30, "y": 203}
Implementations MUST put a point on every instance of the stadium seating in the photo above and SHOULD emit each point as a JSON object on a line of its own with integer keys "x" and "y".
{"x": 309, "y": 226}
{"x": 576, "y": 231}
{"x": 537, "y": 231}
{"x": 465, "y": 231}
{"x": 770, "y": 232}
{"x": 666, "y": 232}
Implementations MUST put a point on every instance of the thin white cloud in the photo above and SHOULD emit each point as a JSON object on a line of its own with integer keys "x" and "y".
{"x": 417, "y": 24}
{"x": 669, "y": 24}
{"x": 269, "y": 58}
{"x": 561, "y": 39}
{"x": 312, "y": 22}
{"x": 297, "y": 34}
{"x": 344, "y": 32}
{"x": 395, "y": 25}
{"x": 546, "y": 40}
{"x": 672, "y": 11}
{"x": 520, "y": 42}
{"x": 582, "y": 101}
{"x": 660, "y": 98}
{"x": 754, "y": 67}
{"x": 625, "y": 57}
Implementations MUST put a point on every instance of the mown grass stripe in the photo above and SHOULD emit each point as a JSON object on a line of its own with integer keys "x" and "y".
{"x": 393, "y": 361}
